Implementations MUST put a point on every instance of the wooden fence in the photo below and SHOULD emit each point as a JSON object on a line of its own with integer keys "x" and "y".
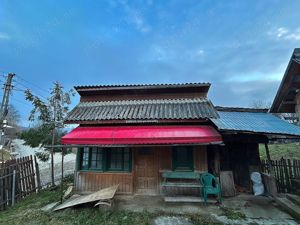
{"x": 18, "y": 178}
{"x": 285, "y": 171}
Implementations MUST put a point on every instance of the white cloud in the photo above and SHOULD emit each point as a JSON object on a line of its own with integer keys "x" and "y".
{"x": 199, "y": 52}
{"x": 135, "y": 18}
{"x": 140, "y": 24}
{"x": 281, "y": 31}
{"x": 4, "y": 36}
{"x": 284, "y": 33}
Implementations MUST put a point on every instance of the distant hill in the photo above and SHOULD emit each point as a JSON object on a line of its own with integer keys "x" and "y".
{"x": 277, "y": 151}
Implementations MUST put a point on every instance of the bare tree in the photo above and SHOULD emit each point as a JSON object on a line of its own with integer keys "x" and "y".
{"x": 13, "y": 116}
{"x": 260, "y": 104}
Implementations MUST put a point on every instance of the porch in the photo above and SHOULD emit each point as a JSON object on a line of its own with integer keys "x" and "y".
{"x": 156, "y": 170}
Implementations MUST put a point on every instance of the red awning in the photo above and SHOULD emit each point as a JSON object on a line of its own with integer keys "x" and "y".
{"x": 140, "y": 135}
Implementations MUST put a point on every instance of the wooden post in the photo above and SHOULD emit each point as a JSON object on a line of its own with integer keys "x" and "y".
{"x": 52, "y": 158}
{"x": 217, "y": 161}
{"x": 13, "y": 194}
{"x": 269, "y": 159}
{"x": 62, "y": 174}
{"x": 37, "y": 173}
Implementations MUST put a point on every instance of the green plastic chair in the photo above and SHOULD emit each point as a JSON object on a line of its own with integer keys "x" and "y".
{"x": 211, "y": 186}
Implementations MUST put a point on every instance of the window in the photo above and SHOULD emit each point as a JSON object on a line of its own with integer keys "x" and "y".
{"x": 183, "y": 158}
{"x": 105, "y": 159}
{"x": 85, "y": 158}
{"x": 96, "y": 158}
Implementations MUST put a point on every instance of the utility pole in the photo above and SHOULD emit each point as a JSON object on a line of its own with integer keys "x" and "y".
{"x": 4, "y": 108}
{"x": 57, "y": 97}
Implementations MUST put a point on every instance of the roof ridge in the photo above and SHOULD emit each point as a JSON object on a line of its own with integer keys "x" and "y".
{"x": 141, "y": 101}
{"x": 141, "y": 85}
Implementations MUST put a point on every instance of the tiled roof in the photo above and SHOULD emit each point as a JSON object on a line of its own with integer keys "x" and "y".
{"x": 198, "y": 108}
{"x": 126, "y": 86}
{"x": 254, "y": 122}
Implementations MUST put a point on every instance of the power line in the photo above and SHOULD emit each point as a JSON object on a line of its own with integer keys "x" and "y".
{"x": 30, "y": 89}
{"x": 15, "y": 99}
{"x": 21, "y": 82}
{"x": 28, "y": 82}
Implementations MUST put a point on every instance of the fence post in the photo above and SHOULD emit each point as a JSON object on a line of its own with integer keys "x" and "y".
{"x": 13, "y": 193}
{"x": 62, "y": 174}
{"x": 37, "y": 172}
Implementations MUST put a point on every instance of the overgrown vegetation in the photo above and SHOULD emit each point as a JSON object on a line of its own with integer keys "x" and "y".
{"x": 277, "y": 151}
{"x": 233, "y": 215}
{"x": 28, "y": 211}
{"x": 39, "y": 135}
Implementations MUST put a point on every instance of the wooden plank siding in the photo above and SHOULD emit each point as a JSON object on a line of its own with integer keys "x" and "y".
{"x": 91, "y": 181}
{"x": 130, "y": 183}
{"x": 200, "y": 159}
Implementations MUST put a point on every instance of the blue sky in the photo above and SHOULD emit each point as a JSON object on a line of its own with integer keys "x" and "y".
{"x": 241, "y": 47}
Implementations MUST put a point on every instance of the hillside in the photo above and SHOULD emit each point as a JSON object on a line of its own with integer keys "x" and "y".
{"x": 277, "y": 151}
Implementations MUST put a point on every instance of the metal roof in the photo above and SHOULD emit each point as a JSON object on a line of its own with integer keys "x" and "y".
{"x": 130, "y": 86}
{"x": 198, "y": 108}
{"x": 254, "y": 122}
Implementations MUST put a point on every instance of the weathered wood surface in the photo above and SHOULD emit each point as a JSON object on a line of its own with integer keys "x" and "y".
{"x": 104, "y": 194}
{"x": 25, "y": 180}
{"x": 285, "y": 170}
{"x": 91, "y": 181}
{"x": 146, "y": 171}
{"x": 227, "y": 183}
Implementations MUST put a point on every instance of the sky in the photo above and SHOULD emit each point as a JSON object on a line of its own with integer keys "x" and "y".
{"x": 241, "y": 47}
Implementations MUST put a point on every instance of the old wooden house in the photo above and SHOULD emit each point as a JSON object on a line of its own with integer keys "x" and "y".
{"x": 287, "y": 99}
{"x": 157, "y": 139}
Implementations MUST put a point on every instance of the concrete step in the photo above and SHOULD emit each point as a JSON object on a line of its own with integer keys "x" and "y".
{"x": 187, "y": 199}
{"x": 288, "y": 206}
{"x": 294, "y": 198}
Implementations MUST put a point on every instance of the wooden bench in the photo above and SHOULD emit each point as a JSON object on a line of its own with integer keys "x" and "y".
{"x": 181, "y": 175}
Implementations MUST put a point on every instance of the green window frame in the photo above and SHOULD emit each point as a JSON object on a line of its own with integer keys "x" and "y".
{"x": 104, "y": 159}
{"x": 183, "y": 158}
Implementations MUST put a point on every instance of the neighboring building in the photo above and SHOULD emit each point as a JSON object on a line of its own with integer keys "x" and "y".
{"x": 133, "y": 135}
{"x": 287, "y": 100}
{"x": 243, "y": 129}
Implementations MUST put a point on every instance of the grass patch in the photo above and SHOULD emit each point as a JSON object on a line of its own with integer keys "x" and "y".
{"x": 6, "y": 154}
{"x": 28, "y": 211}
{"x": 233, "y": 215}
{"x": 277, "y": 151}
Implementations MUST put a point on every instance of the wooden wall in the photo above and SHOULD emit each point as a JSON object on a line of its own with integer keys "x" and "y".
{"x": 241, "y": 159}
{"x": 93, "y": 181}
{"x": 297, "y": 106}
{"x": 89, "y": 181}
{"x": 200, "y": 158}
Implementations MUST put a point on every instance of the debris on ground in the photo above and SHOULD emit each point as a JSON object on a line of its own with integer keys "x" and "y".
{"x": 103, "y": 196}
{"x": 50, "y": 207}
{"x": 68, "y": 193}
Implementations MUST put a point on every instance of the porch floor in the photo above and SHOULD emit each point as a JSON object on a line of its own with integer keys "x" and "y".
{"x": 257, "y": 209}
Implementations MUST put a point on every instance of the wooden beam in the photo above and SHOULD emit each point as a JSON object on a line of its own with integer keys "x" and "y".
{"x": 269, "y": 160}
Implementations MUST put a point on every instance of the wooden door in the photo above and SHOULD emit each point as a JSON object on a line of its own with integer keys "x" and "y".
{"x": 146, "y": 172}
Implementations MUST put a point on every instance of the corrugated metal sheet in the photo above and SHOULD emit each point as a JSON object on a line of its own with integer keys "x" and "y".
{"x": 254, "y": 122}
{"x": 143, "y": 109}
